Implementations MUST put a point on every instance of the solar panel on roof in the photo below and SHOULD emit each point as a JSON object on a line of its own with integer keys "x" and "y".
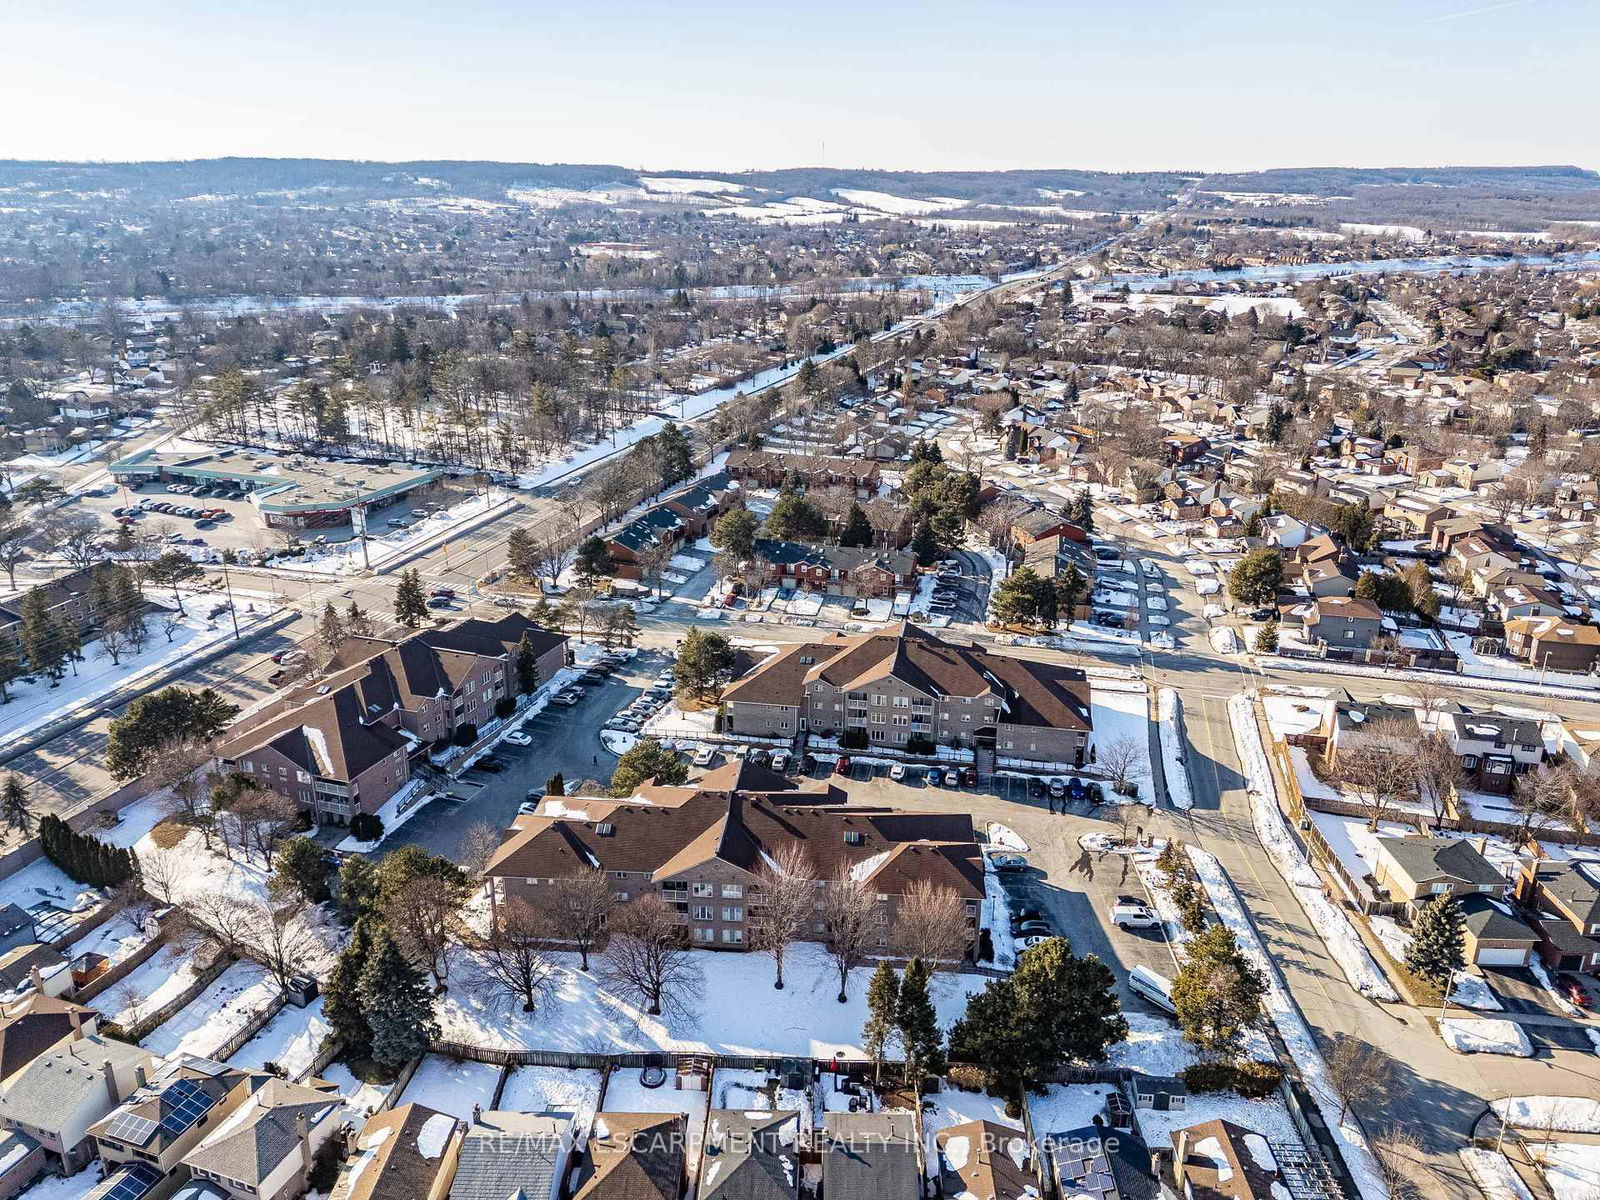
{"x": 185, "y": 1104}
{"x": 206, "y": 1066}
{"x": 131, "y": 1128}
{"x": 132, "y": 1181}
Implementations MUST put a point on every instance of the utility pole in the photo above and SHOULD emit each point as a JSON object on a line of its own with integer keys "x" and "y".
{"x": 232, "y": 611}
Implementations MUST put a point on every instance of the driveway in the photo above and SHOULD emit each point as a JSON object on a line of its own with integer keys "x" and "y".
{"x": 566, "y": 741}
{"x": 1520, "y": 992}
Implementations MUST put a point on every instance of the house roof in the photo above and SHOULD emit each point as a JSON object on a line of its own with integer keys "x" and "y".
{"x": 393, "y": 1160}
{"x": 17, "y": 964}
{"x": 635, "y": 1156}
{"x": 1425, "y": 859}
{"x": 1096, "y": 1163}
{"x": 1492, "y": 920}
{"x": 1575, "y": 885}
{"x": 1224, "y": 1161}
{"x": 871, "y": 1156}
{"x": 507, "y": 1155}
{"x": 1553, "y": 629}
{"x": 750, "y": 1156}
{"x": 985, "y": 1161}
{"x": 333, "y": 736}
{"x": 1350, "y": 607}
{"x": 33, "y": 1025}
{"x": 837, "y": 558}
{"x": 56, "y": 1085}
{"x": 12, "y": 918}
{"x": 250, "y": 1142}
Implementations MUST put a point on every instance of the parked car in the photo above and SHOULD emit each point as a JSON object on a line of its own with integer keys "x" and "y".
{"x": 808, "y": 764}
{"x": 1032, "y": 940}
{"x": 439, "y": 602}
{"x": 1130, "y": 912}
{"x": 518, "y": 739}
{"x": 1096, "y": 793}
{"x": 1572, "y": 989}
{"x": 1037, "y": 786}
{"x": 1058, "y": 789}
{"x": 897, "y": 772}
{"x": 780, "y": 762}
{"x": 622, "y": 724}
{"x": 492, "y": 765}
{"x": 842, "y": 767}
{"x": 704, "y": 756}
{"x": 761, "y": 756}
{"x": 1009, "y": 862}
{"x": 447, "y": 592}
{"x": 969, "y": 776}
{"x": 1033, "y": 928}
{"x": 565, "y": 699}
{"x": 935, "y": 777}
{"x": 592, "y": 677}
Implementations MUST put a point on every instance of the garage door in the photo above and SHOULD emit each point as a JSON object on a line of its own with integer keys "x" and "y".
{"x": 1490, "y": 957}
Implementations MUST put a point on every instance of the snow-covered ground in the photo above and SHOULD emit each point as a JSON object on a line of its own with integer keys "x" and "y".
{"x": 74, "y": 1187}
{"x": 1572, "y": 1169}
{"x": 362, "y": 1099}
{"x": 119, "y": 939}
{"x": 387, "y": 549}
{"x": 56, "y": 900}
{"x": 582, "y": 1015}
{"x": 952, "y": 1107}
{"x": 1483, "y": 1035}
{"x": 1467, "y": 990}
{"x": 1174, "y": 752}
{"x": 1561, "y": 1114}
{"x": 393, "y": 813}
{"x": 626, "y": 1094}
{"x": 202, "y": 1026}
{"x": 1292, "y": 1029}
{"x": 291, "y": 1040}
{"x": 151, "y": 987}
{"x": 553, "y": 1089}
{"x": 1155, "y": 1046}
{"x": 452, "y": 1087}
{"x": 1123, "y": 711}
{"x": 1494, "y": 1175}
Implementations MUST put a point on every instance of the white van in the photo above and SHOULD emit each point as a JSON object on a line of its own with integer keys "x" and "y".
{"x": 1145, "y": 983}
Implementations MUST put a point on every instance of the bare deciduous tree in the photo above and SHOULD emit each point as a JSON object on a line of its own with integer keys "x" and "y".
{"x": 580, "y": 906}
{"x": 279, "y": 935}
{"x": 648, "y": 961}
{"x": 477, "y": 847}
{"x": 855, "y": 924}
{"x": 424, "y": 914}
{"x": 224, "y": 919}
{"x": 160, "y": 870}
{"x": 1121, "y": 759}
{"x": 931, "y": 923}
{"x": 787, "y": 884}
{"x": 1358, "y": 1067}
{"x": 1436, "y": 773}
{"x": 1398, "y": 1153}
{"x": 1379, "y": 765}
{"x": 514, "y": 960}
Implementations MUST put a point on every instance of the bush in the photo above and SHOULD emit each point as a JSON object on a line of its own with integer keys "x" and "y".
{"x": 853, "y": 739}
{"x": 919, "y": 744}
{"x": 1252, "y": 1080}
{"x": 985, "y": 946}
{"x": 366, "y": 827}
{"x": 466, "y": 734}
{"x": 505, "y": 707}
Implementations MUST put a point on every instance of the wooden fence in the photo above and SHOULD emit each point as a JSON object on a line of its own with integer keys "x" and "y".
{"x": 119, "y": 971}
{"x": 150, "y": 1022}
{"x": 252, "y": 1027}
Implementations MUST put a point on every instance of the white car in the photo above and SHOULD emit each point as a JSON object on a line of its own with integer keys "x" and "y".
{"x": 1134, "y": 916}
{"x": 704, "y": 756}
{"x": 518, "y": 739}
{"x": 897, "y": 772}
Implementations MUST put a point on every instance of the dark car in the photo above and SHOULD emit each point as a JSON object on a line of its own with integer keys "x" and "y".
{"x": 1572, "y": 990}
{"x": 439, "y": 602}
{"x": 492, "y": 765}
{"x": 842, "y": 767}
{"x": 447, "y": 592}
{"x": 1036, "y": 787}
{"x": 591, "y": 677}
{"x": 807, "y": 764}
{"x": 1097, "y": 794}
{"x": 1009, "y": 862}
{"x": 1261, "y": 614}
{"x": 761, "y": 756}
{"x": 1026, "y": 914}
{"x": 1075, "y": 788}
{"x": 969, "y": 776}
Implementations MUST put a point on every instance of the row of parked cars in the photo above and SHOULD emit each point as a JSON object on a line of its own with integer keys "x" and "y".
{"x": 646, "y": 704}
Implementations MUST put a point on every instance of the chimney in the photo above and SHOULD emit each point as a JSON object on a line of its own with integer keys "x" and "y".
{"x": 110, "y": 1075}
{"x": 75, "y": 1019}
{"x": 36, "y": 977}
{"x": 302, "y": 1133}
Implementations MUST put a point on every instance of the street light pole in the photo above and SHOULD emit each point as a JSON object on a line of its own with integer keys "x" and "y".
{"x": 232, "y": 610}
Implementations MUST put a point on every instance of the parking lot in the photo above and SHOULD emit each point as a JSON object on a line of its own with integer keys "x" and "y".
{"x": 565, "y": 741}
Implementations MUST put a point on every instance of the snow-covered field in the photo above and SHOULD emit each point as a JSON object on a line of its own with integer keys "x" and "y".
{"x": 203, "y": 1025}
{"x": 452, "y": 1087}
{"x": 553, "y": 1089}
{"x": 1123, "y": 711}
{"x": 1561, "y": 1114}
{"x": 582, "y": 1015}
{"x": 1481, "y": 1035}
{"x": 152, "y": 986}
{"x": 1174, "y": 754}
{"x": 361, "y": 1098}
{"x": 118, "y": 939}
{"x": 1494, "y": 1175}
{"x": 1572, "y": 1169}
{"x": 291, "y": 1040}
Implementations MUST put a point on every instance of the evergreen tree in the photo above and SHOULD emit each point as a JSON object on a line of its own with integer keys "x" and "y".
{"x": 1218, "y": 991}
{"x": 358, "y": 888}
{"x": 1016, "y": 599}
{"x": 1069, "y": 591}
{"x": 300, "y": 871}
{"x": 705, "y": 663}
{"x": 410, "y": 604}
{"x": 342, "y": 1005}
{"x": 356, "y": 621}
{"x": 556, "y": 785}
{"x": 330, "y": 626}
{"x": 527, "y": 665}
{"x": 925, "y": 543}
{"x": 14, "y": 809}
{"x": 794, "y": 518}
{"x": 593, "y": 562}
{"x": 1267, "y": 638}
{"x": 735, "y": 534}
{"x": 919, "y": 1026}
{"x": 522, "y": 554}
{"x": 1257, "y": 577}
{"x": 43, "y": 644}
{"x": 673, "y": 457}
{"x": 857, "y": 528}
{"x": 1438, "y": 942}
{"x": 399, "y": 1006}
{"x": 883, "y": 1015}
{"x": 926, "y": 450}
{"x": 1081, "y": 512}
{"x": 645, "y": 760}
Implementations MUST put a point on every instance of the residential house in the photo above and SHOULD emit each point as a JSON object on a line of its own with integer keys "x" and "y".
{"x": 635, "y": 1156}
{"x": 1344, "y": 622}
{"x": 513, "y": 1154}
{"x": 1473, "y": 474}
{"x": 265, "y": 1148}
{"x": 986, "y": 1161}
{"x": 16, "y": 928}
{"x": 34, "y": 967}
{"x": 1517, "y": 600}
{"x": 39, "y": 1024}
{"x": 1564, "y": 897}
{"x": 1494, "y": 749}
{"x": 1181, "y": 448}
{"x": 750, "y": 1155}
{"x": 702, "y": 847}
{"x": 1036, "y": 524}
{"x": 1417, "y": 869}
{"x": 1550, "y": 643}
{"x": 59, "y": 1096}
{"x": 172, "y": 1111}
{"x": 770, "y": 469}
{"x": 1346, "y": 721}
{"x": 404, "y": 1153}
{"x": 343, "y": 743}
{"x": 649, "y": 535}
{"x": 1323, "y": 578}
{"x": 1219, "y": 1160}
{"x": 1099, "y": 1162}
{"x": 1415, "y": 515}
{"x": 702, "y": 504}
{"x": 911, "y": 688}
{"x": 1495, "y": 935}
{"x": 66, "y": 598}
{"x": 871, "y": 1156}
{"x": 837, "y": 570}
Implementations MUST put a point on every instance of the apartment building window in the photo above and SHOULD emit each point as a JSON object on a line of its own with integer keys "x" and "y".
{"x": 900, "y": 721}
{"x": 899, "y": 737}
{"x": 624, "y": 897}
{"x": 704, "y": 912}
{"x": 735, "y": 913}
{"x": 733, "y": 937}
{"x": 879, "y": 701}
{"x": 878, "y": 718}
{"x": 877, "y": 735}
{"x": 705, "y": 935}
{"x": 902, "y": 701}
{"x": 703, "y": 889}
{"x": 733, "y": 891}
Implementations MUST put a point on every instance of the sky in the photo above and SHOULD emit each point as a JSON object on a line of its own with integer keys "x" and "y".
{"x": 681, "y": 84}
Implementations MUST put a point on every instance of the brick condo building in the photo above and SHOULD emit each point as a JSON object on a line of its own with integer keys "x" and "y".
{"x": 910, "y": 684}
{"x": 343, "y": 743}
{"x": 702, "y": 848}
